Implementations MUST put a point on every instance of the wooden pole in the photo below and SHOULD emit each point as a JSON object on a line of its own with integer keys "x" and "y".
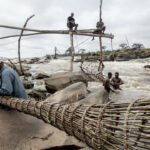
{"x": 14, "y": 66}
{"x": 100, "y": 14}
{"x": 86, "y": 32}
{"x": 100, "y": 39}
{"x": 55, "y": 57}
{"x": 111, "y": 45}
{"x": 17, "y": 35}
{"x": 127, "y": 41}
{"x": 19, "y": 43}
{"x": 112, "y": 49}
{"x": 72, "y": 50}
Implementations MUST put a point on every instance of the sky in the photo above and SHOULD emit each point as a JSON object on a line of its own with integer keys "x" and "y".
{"x": 126, "y": 19}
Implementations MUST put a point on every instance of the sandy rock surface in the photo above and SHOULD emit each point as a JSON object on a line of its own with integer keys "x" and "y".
{"x": 23, "y": 132}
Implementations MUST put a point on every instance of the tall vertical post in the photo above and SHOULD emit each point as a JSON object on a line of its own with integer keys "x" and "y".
{"x": 100, "y": 38}
{"x": 55, "y": 57}
{"x": 111, "y": 45}
{"x": 100, "y": 14}
{"x": 72, "y": 50}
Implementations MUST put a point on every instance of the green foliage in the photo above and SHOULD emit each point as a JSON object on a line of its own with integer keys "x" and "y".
{"x": 68, "y": 52}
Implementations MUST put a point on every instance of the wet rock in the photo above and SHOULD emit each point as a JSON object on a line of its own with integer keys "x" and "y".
{"x": 48, "y": 57}
{"x": 28, "y": 84}
{"x": 37, "y": 95}
{"x": 147, "y": 66}
{"x": 40, "y": 75}
{"x": 70, "y": 94}
{"x": 128, "y": 54}
{"x": 96, "y": 97}
{"x": 42, "y": 60}
{"x": 32, "y": 60}
{"x": 59, "y": 81}
{"x": 39, "y": 85}
{"x": 121, "y": 55}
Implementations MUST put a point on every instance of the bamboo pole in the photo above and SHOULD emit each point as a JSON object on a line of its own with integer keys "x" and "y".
{"x": 100, "y": 38}
{"x": 11, "y": 36}
{"x": 72, "y": 51}
{"x": 55, "y": 49}
{"x": 14, "y": 66}
{"x": 19, "y": 42}
{"x": 87, "y": 32}
{"x": 111, "y": 45}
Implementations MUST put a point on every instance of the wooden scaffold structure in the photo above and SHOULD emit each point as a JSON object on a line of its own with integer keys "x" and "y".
{"x": 86, "y": 32}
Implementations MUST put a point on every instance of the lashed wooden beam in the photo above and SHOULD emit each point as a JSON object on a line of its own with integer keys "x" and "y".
{"x": 17, "y": 35}
{"x": 78, "y": 32}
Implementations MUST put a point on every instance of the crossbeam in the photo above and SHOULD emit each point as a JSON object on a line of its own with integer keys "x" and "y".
{"x": 87, "y": 32}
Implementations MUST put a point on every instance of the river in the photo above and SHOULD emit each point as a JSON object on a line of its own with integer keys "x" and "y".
{"x": 135, "y": 77}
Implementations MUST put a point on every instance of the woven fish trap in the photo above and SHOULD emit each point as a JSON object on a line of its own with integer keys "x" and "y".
{"x": 93, "y": 70}
{"x": 121, "y": 126}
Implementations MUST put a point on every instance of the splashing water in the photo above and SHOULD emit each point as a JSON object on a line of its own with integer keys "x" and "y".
{"x": 136, "y": 78}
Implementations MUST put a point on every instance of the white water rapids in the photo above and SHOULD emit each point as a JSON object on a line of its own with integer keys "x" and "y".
{"x": 136, "y": 78}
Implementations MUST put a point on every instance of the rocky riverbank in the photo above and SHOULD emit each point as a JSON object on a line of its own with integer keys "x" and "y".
{"x": 62, "y": 87}
{"x": 50, "y": 80}
{"x": 121, "y": 55}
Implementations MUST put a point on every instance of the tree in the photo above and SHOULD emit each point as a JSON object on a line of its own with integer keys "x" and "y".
{"x": 123, "y": 46}
{"x": 82, "y": 51}
{"x": 137, "y": 45}
{"x": 68, "y": 52}
{"x": 104, "y": 48}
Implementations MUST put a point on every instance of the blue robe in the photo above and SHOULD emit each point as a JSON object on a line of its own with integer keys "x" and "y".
{"x": 11, "y": 84}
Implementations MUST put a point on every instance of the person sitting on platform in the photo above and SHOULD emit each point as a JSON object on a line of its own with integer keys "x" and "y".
{"x": 116, "y": 82}
{"x": 11, "y": 85}
{"x": 100, "y": 27}
{"x": 71, "y": 22}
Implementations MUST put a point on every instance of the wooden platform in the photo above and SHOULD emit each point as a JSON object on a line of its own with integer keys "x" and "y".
{"x": 86, "y": 32}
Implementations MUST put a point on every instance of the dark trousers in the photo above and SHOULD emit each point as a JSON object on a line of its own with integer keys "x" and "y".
{"x": 72, "y": 25}
{"x": 100, "y": 30}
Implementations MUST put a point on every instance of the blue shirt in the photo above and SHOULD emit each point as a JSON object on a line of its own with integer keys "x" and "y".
{"x": 11, "y": 84}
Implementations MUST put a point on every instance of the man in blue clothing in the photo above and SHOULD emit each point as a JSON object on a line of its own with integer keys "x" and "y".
{"x": 10, "y": 83}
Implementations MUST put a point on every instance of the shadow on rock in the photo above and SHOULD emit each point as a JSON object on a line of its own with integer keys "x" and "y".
{"x": 65, "y": 147}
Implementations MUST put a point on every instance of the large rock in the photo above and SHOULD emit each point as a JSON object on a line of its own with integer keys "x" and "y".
{"x": 61, "y": 80}
{"x": 40, "y": 75}
{"x": 28, "y": 84}
{"x": 23, "y": 132}
{"x": 70, "y": 94}
{"x": 37, "y": 95}
{"x": 99, "y": 96}
{"x": 147, "y": 66}
{"x": 39, "y": 85}
{"x": 31, "y": 60}
{"x": 128, "y": 54}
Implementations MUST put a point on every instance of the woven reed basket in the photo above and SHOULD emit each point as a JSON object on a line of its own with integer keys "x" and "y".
{"x": 124, "y": 126}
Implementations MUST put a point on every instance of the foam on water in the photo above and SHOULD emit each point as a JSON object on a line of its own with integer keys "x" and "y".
{"x": 135, "y": 77}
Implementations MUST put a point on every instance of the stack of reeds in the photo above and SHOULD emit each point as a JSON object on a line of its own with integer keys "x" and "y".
{"x": 124, "y": 126}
